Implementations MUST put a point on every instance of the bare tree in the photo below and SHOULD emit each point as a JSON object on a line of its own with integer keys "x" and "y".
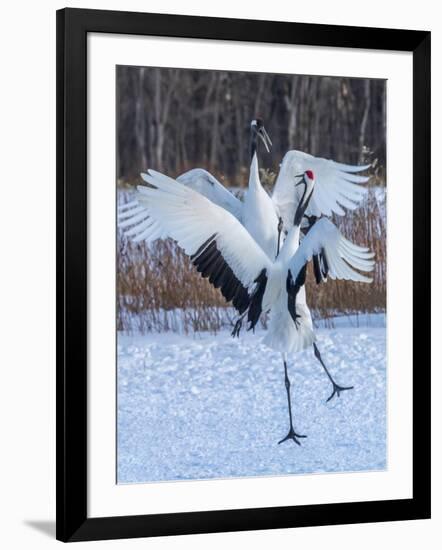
{"x": 176, "y": 119}
{"x": 363, "y": 129}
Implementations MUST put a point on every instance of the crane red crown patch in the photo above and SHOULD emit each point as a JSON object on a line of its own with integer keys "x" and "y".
{"x": 309, "y": 174}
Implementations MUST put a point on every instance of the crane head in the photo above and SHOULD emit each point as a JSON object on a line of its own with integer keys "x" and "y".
{"x": 257, "y": 126}
{"x": 308, "y": 180}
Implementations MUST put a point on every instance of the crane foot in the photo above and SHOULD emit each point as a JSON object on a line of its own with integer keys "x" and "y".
{"x": 337, "y": 390}
{"x": 292, "y": 435}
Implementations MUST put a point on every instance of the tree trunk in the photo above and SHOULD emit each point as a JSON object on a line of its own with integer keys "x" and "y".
{"x": 140, "y": 123}
{"x": 364, "y": 120}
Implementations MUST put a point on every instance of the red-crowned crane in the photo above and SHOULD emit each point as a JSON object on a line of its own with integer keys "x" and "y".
{"x": 266, "y": 218}
{"x": 224, "y": 251}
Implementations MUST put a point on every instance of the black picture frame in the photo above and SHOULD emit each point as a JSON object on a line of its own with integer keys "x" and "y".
{"x": 73, "y": 25}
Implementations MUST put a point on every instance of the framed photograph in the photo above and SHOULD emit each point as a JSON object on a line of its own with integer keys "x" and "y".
{"x": 243, "y": 301}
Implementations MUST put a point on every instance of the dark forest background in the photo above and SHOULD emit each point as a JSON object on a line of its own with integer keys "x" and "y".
{"x": 176, "y": 119}
{"x": 173, "y": 120}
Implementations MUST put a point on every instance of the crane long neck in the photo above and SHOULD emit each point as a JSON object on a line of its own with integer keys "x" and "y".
{"x": 302, "y": 207}
{"x": 291, "y": 242}
{"x": 253, "y": 144}
{"x": 290, "y": 245}
{"x": 254, "y": 181}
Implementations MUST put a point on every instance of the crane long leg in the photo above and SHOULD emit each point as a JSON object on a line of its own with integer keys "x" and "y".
{"x": 336, "y": 387}
{"x": 238, "y": 325}
{"x": 292, "y": 434}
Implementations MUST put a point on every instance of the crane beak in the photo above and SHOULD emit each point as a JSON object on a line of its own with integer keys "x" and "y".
{"x": 264, "y": 136}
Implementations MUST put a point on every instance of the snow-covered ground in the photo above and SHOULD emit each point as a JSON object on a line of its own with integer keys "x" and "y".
{"x": 204, "y": 406}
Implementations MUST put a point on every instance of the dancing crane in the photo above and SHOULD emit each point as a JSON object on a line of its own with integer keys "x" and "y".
{"x": 263, "y": 216}
{"x": 225, "y": 252}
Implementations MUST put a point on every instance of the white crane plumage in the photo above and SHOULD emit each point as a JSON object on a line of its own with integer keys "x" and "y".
{"x": 336, "y": 186}
{"x": 225, "y": 252}
{"x": 258, "y": 214}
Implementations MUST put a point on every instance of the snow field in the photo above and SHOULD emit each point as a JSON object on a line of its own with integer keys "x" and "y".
{"x": 204, "y": 406}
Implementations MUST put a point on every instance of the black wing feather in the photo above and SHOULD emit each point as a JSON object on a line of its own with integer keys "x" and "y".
{"x": 209, "y": 261}
{"x": 255, "y": 307}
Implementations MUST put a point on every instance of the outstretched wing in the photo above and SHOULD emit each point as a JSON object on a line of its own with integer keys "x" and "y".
{"x": 218, "y": 245}
{"x": 202, "y": 181}
{"x": 337, "y": 257}
{"x": 336, "y": 186}
{"x": 135, "y": 214}
{"x": 135, "y": 220}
